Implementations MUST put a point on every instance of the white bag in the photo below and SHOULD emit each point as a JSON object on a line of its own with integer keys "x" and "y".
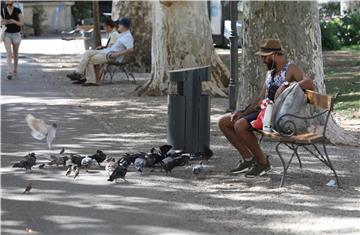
{"x": 292, "y": 101}
{"x": 2, "y": 30}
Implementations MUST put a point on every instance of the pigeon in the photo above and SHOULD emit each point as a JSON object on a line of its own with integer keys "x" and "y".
{"x": 27, "y": 162}
{"x": 119, "y": 172}
{"x": 197, "y": 169}
{"x": 28, "y": 188}
{"x": 87, "y": 162}
{"x": 110, "y": 166}
{"x": 62, "y": 150}
{"x": 129, "y": 159}
{"x": 99, "y": 156}
{"x": 40, "y": 130}
{"x": 76, "y": 171}
{"x": 68, "y": 171}
{"x": 76, "y": 159}
{"x": 42, "y": 166}
{"x": 140, "y": 164}
{"x": 164, "y": 149}
{"x": 207, "y": 154}
{"x": 170, "y": 163}
{"x": 58, "y": 160}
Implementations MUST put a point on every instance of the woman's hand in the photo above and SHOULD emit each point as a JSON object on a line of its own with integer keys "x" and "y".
{"x": 113, "y": 55}
{"x": 12, "y": 21}
{"x": 4, "y": 22}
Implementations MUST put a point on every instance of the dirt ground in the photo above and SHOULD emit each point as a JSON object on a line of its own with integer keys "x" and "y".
{"x": 218, "y": 202}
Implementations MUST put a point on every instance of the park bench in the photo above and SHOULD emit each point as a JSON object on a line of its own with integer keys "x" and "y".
{"x": 292, "y": 140}
{"x": 109, "y": 69}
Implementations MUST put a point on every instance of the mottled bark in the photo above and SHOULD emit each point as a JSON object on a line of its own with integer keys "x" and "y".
{"x": 182, "y": 39}
{"x": 140, "y": 14}
{"x": 296, "y": 24}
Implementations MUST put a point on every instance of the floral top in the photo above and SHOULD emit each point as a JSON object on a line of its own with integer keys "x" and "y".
{"x": 272, "y": 83}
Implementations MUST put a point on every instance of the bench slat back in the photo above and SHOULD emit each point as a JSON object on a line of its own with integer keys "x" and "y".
{"x": 319, "y": 100}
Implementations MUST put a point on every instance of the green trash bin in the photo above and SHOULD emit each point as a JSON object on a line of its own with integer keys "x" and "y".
{"x": 189, "y": 110}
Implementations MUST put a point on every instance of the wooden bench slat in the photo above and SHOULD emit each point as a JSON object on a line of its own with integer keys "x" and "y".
{"x": 308, "y": 137}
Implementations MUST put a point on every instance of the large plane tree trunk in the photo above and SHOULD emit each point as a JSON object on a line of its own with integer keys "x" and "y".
{"x": 140, "y": 14}
{"x": 296, "y": 24}
{"x": 181, "y": 39}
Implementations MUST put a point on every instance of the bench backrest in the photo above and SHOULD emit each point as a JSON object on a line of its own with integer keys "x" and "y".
{"x": 319, "y": 100}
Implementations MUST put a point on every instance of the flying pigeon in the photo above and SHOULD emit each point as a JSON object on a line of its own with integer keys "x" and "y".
{"x": 140, "y": 164}
{"x": 28, "y": 188}
{"x": 76, "y": 171}
{"x": 68, "y": 171}
{"x": 110, "y": 166}
{"x": 40, "y": 130}
{"x": 119, "y": 172}
{"x": 27, "y": 162}
{"x": 87, "y": 162}
{"x": 197, "y": 169}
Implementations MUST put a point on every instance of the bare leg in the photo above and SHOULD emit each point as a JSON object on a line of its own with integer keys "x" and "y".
{"x": 16, "y": 55}
{"x": 249, "y": 139}
{"x": 9, "y": 55}
{"x": 227, "y": 127}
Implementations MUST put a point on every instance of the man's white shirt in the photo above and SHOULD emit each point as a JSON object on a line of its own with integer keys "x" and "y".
{"x": 125, "y": 41}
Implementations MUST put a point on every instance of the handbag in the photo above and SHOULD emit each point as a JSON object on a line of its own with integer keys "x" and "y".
{"x": 3, "y": 29}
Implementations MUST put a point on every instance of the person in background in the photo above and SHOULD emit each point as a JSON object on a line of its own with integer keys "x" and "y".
{"x": 111, "y": 29}
{"x": 121, "y": 47}
{"x": 13, "y": 19}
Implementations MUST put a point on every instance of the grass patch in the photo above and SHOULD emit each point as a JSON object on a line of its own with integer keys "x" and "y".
{"x": 350, "y": 48}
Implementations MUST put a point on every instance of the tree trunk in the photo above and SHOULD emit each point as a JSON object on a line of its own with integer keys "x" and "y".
{"x": 140, "y": 14}
{"x": 296, "y": 24}
{"x": 182, "y": 39}
{"x": 96, "y": 33}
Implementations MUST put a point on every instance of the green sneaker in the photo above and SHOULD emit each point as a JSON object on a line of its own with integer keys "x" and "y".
{"x": 243, "y": 166}
{"x": 258, "y": 170}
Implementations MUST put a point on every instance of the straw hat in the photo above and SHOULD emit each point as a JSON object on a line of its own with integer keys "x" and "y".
{"x": 269, "y": 46}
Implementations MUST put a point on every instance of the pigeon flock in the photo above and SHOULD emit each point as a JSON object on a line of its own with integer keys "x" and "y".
{"x": 163, "y": 158}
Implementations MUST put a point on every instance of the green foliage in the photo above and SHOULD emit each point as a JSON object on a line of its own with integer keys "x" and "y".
{"x": 81, "y": 10}
{"x": 337, "y": 32}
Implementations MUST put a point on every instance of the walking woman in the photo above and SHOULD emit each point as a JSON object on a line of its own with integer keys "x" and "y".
{"x": 13, "y": 19}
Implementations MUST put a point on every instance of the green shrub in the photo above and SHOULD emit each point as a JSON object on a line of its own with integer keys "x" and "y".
{"x": 329, "y": 34}
{"x": 337, "y": 32}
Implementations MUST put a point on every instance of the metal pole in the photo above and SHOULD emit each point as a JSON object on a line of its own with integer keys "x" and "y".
{"x": 233, "y": 56}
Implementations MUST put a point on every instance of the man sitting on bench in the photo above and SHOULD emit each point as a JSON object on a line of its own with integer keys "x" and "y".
{"x": 121, "y": 47}
{"x": 236, "y": 126}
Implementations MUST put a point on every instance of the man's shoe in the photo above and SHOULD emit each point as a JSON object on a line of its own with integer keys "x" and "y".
{"x": 82, "y": 81}
{"x": 243, "y": 166}
{"x": 259, "y": 170}
{"x": 74, "y": 76}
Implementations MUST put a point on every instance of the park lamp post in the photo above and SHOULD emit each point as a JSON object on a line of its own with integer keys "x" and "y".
{"x": 233, "y": 56}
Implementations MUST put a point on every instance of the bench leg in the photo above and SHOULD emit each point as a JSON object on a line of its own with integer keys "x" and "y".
{"x": 295, "y": 153}
{"x": 331, "y": 166}
{"x": 283, "y": 164}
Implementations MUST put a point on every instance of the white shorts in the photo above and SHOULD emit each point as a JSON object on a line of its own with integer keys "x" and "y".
{"x": 12, "y": 37}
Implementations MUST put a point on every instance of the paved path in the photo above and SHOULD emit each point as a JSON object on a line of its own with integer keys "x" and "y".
{"x": 111, "y": 119}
